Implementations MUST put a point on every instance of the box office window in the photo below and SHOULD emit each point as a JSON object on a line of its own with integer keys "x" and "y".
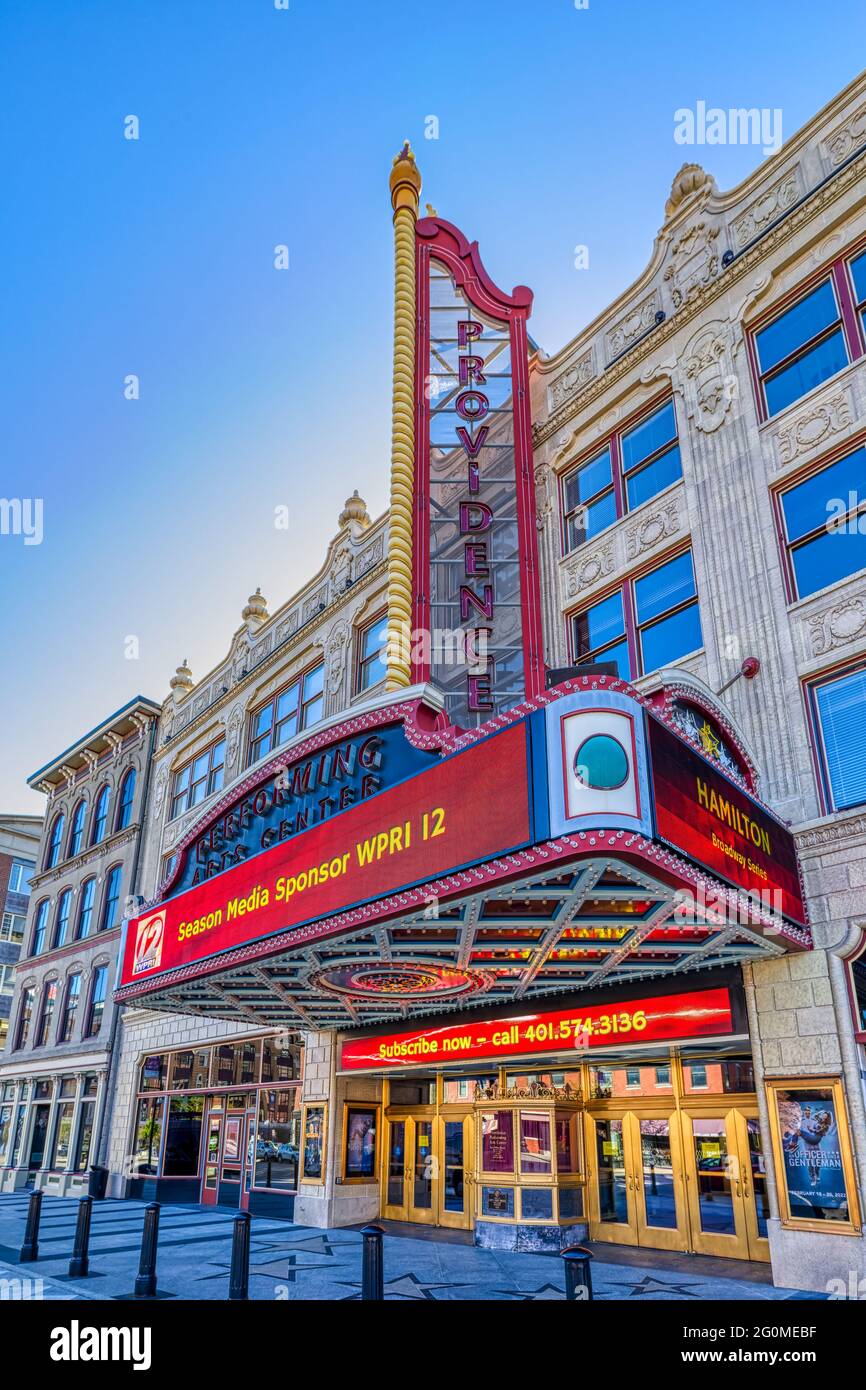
{"x": 278, "y": 1139}
{"x": 825, "y": 524}
{"x": 183, "y": 1136}
{"x": 800, "y": 348}
{"x": 839, "y": 706}
{"x": 497, "y": 1141}
{"x": 148, "y": 1135}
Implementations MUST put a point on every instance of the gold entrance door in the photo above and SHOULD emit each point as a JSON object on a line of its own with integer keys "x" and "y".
{"x": 727, "y": 1183}
{"x": 455, "y": 1183}
{"x": 427, "y": 1170}
{"x": 636, "y": 1188}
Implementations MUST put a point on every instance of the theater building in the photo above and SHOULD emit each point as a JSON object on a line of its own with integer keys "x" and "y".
{"x": 55, "y": 1072}
{"x": 544, "y": 919}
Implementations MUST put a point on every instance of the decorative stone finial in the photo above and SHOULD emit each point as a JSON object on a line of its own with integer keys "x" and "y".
{"x": 182, "y": 680}
{"x": 690, "y": 179}
{"x": 355, "y": 510}
{"x": 256, "y": 611}
{"x": 405, "y": 180}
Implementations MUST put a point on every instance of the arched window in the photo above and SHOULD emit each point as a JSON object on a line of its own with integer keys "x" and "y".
{"x": 76, "y": 834}
{"x": 56, "y": 840}
{"x": 61, "y": 920}
{"x": 124, "y": 805}
{"x": 40, "y": 925}
{"x": 84, "y": 925}
{"x": 100, "y": 816}
{"x": 111, "y": 901}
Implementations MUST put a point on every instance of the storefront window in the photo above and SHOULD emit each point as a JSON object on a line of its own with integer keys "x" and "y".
{"x": 277, "y": 1143}
{"x": 18, "y": 1135}
{"x": 535, "y": 1156}
{"x": 189, "y": 1070}
{"x": 5, "y": 1130}
{"x": 148, "y": 1134}
{"x": 535, "y": 1083}
{"x": 420, "y": 1091}
{"x": 497, "y": 1141}
{"x": 728, "y": 1076}
{"x": 465, "y": 1088}
{"x": 153, "y": 1073}
{"x": 183, "y": 1137}
{"x": 62, "y": 1135}
{"x": 85, "y": 1134}
{"x": 281, "y": 1060}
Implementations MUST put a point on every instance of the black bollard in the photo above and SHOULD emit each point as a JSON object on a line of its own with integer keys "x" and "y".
{"x": 372, "y": 1271}
{"x": 145, "y": 1284}
{"x": 578, "y": 1275}
{"x": 79, "y": 1265}
{"x": 239, "y": 1279}
{"x": 30, "y": 1249}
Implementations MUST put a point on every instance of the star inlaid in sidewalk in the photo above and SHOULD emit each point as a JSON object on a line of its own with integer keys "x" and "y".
{"x": 547, "y": 1292}
{"x": 650, "y": 1285}
{"x": 405, "y": 1286}
{"x": 313, "y": 1245}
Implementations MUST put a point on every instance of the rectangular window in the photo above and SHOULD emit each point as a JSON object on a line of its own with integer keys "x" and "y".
{"x": 19, "y": 878}
{"x": 148, "y": 1135}
{"x": 46, "y": 1013}
{"x": 839, "y": 708}
{"x": 62, "y": 1135}
{"x": 825, "y": 524}
{"x": 663, "y": 1076}
{"x": 535, "y": 1153}
{"x": 85, "y": 1134}
{"x": 199, "y": 779}
{"x": 801, "y": 348}
{"x": 297, "y": 707}
{"x": 183, "y": 1136}
{"x": 278, "y": 1140}
{"x": 97, "y": 1002}
{"x": 656, "y": 615}
{"x": 372, "y": 650}
{"x": 497, "y": 1141}
{"x": 634, "y": 466}
{"x": 697, "y": 1075}
{"x": 632, "y": 1077}
{"x": 599, "y": 634}
{"x": 12, "y": 928}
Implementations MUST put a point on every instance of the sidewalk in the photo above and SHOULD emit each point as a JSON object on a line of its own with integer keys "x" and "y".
{"x": 296, "y": 1262}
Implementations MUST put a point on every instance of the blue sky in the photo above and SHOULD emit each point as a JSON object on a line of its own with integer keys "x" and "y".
{"x": 260, "y": 387}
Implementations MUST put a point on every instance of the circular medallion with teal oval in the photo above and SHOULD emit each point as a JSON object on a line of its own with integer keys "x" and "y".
{"x": 601, "y": 762}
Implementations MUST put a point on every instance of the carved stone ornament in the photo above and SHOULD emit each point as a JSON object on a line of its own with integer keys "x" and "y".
{"x": 657, "y": 526}
{"x": 578, "y": 374}
{"x": 766, "y": 208}
{"x": 694, "y": 260}
{"x": 159, "y": 790}
{"x": 234, "y": 724}
{"x": 847, "y": 137}
{"x": 633, "y": 325}
{"x": 586, "y": 571}
{"x": 837, "y": 625}
{"x": 814, "y": 426}
{"x": 336, "y": 652}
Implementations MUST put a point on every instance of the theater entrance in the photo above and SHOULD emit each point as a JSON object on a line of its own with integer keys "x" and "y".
{"x": 427, "y": 1175}
{"x": 681, "y": 1168}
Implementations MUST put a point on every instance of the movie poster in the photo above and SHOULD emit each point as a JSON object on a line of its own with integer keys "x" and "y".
{"x": 812, "y": 1154}
{"x": 314, "y": 1141}
{"x": 360, "y": 1144}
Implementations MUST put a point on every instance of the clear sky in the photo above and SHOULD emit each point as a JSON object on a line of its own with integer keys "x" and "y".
{"x": 262, "y": 126}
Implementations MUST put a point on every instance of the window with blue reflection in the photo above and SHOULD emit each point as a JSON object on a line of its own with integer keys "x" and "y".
{"x": 802, "y": 339}
{"x": 589, "y": 499}
{"x": 797, "y": 326}
{"x": 858, "y": 276}
{"x": 39, "y": 927}
{"x": 825, "y": 521}
{"x": 586, "y": 521}
{"x": 841, "y": 707}
{"x": 648, "y": 437}
{"x": 599, "y": 634}
{"x": 654, "y": 477}
{"x": 806, "y": 372}
{"x": 667, "y": 613}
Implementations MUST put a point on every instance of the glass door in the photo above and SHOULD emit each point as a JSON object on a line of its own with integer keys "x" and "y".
{"x": 612, "y": 1202}
{"x": 455, "y": 1183}
{"x": 210, "y": 1176}
{"x": 424, "y": 1172}
{"x": 754, "y": 1183}
{"x": 394, "y": 1178}
{"x": 658, "y": 1182}
{"x": 719, "y": 1172}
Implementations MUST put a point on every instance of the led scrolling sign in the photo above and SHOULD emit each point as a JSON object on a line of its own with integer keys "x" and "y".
{"x": 476, "y": 576}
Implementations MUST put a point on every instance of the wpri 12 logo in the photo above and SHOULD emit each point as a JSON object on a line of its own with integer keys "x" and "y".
{"x": 148, "y": 942}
